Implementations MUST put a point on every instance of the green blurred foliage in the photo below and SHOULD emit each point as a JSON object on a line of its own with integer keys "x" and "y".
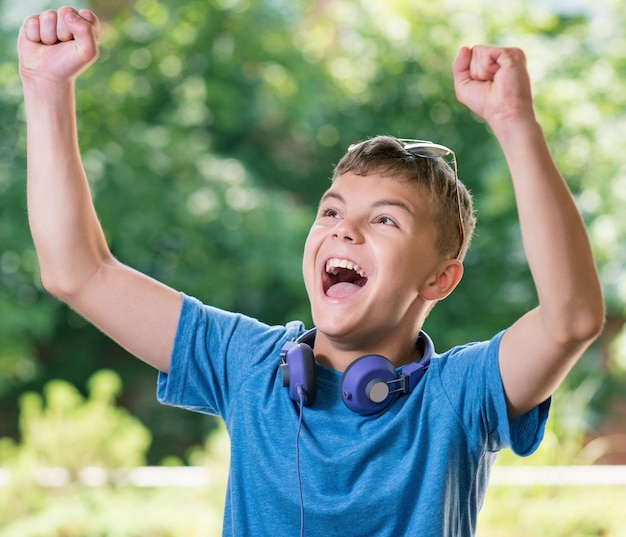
{"x": 209, "y": 129}
{"x": 63, "y": 429}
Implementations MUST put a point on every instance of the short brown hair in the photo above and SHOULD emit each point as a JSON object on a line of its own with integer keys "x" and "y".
{"x": 387, "y": 156}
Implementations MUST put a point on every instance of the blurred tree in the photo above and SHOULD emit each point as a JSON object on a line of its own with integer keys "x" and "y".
{"x": 209, "y": 129}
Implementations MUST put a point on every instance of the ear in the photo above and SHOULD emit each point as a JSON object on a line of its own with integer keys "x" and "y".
{"x": 444, "y": 281}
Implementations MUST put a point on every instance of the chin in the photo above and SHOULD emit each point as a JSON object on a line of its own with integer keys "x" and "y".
{"x": 336, "y": 326}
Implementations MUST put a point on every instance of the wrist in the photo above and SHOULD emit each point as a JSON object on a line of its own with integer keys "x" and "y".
{"x": 515, "y": 125}
{"x": 48, "y": 97}
{"x": 46, "y": 88}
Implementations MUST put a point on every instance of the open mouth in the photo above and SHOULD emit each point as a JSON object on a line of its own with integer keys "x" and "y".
{"x": 342, "y": 278}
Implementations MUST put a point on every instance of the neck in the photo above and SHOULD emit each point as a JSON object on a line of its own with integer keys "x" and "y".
{"x": 338, "y": 355}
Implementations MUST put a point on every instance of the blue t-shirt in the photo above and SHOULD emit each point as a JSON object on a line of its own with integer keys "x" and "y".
{"x": 420, "y": 467}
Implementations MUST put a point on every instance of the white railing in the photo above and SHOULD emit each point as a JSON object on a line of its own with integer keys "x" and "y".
{"x": 145, "y": 476}
{"x": 193, "y": 476}
{"x": 558, "y": 475}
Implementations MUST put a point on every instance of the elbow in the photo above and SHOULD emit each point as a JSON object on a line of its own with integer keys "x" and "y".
{"x": 65, "y": 275}
{"x": 594, "y": 325}
{"x": 589, "y": 331}
{"x": 61, "y": 288}
{"x": 584, "y": 325}
{"x": 68, "y": 282}
{"x": 593, "y": 318}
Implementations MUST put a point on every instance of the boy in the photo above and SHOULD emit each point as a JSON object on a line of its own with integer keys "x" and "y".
{"x": 394, "y": 440}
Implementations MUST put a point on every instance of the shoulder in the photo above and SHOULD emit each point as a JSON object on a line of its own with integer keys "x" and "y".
{"x": 237, "y": 331}
{"x": 214, "y": 352}
{"x": 470, "y": 357}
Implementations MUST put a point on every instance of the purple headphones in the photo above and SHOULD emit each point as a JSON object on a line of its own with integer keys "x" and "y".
{"x": 368, "y": 385}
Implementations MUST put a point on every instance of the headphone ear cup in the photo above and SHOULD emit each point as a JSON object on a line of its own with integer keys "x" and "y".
{"x": 301, "y": 372}
{"x": 364, "y": 387}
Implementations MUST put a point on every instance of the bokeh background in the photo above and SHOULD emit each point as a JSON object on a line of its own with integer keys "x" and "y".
{"x": 209, "y": 129}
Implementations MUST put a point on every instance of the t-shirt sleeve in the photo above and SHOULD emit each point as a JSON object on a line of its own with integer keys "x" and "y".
{"x": 213, "y": 351}
{"x": 470, "y": 377}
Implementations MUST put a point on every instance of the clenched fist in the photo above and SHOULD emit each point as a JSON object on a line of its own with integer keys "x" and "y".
{"x": 56, "y": 46}
{"x": 493, "y": 83}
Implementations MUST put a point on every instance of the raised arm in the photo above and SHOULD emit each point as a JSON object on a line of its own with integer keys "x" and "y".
{"x": 539, "y": 350}
{"x": 76, "y": 264}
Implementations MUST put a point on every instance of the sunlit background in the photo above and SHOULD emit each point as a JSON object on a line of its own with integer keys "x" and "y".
{"x": 209, "y": 129}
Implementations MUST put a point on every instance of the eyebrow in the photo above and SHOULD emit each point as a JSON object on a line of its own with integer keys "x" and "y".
{"x": 379, "y": 203}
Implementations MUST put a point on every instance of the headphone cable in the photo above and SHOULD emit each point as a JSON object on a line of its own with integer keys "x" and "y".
{"x": 301, "y": 396}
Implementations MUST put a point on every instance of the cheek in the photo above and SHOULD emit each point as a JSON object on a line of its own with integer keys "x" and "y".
{"x": 402, "y": 270}
{"x": 308, "y": 260}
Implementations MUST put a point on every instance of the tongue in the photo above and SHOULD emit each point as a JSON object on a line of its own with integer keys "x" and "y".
{"x": 342, "y": 290}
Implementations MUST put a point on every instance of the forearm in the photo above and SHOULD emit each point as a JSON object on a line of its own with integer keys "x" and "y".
{"x": 553, "y": 234}
{"x": 67, "y": 235}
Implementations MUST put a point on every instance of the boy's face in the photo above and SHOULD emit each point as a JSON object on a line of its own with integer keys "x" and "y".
{"x": 368, "y": 256}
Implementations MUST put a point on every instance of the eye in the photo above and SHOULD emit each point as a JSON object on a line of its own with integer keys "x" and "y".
{"x": 328, "y": 213}
{"x": 385, "y": 220}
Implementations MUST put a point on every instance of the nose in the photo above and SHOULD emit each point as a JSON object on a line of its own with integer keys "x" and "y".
{"x": 348, "y": 230}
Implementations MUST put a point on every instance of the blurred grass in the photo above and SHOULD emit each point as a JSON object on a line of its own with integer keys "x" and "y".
{"x": 555, "y": 511}
{"x": 124, "y": 512}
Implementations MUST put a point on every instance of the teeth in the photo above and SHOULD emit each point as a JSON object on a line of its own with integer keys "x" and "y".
{"x": 334, "y": 263}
